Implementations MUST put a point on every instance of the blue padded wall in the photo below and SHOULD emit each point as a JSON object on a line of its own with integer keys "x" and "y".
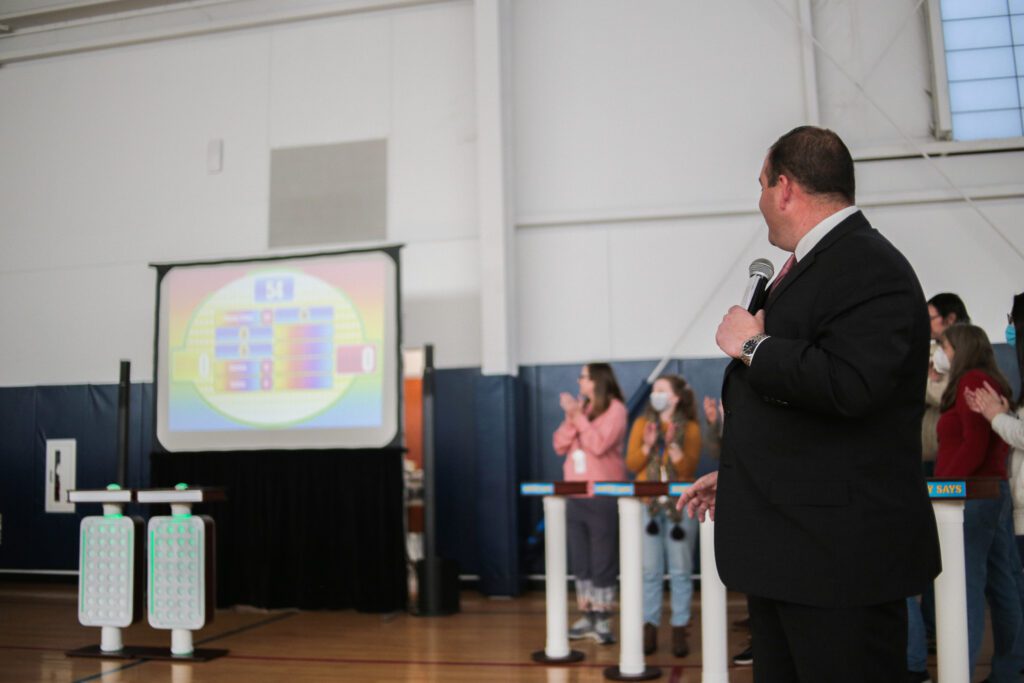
{"x": 491, "y": 433}
{"x": 455, "y": 451}
{"x": 32, "y": 538}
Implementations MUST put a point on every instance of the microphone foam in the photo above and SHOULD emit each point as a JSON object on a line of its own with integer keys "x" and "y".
{"x": 762, "y": 267}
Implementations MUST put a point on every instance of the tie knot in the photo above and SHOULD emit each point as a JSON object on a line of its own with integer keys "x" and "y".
{"x": 785, "y": 269}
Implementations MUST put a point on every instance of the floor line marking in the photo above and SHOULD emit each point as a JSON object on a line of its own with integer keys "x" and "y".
{"x": 428, "y": 662}
{"x": 249, "y": 627}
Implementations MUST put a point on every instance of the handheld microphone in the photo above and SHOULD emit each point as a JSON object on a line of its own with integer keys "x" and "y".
{"x": 761, "y": 271}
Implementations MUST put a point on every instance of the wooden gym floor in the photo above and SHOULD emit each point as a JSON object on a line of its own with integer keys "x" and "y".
{"x": 489, "y": 640}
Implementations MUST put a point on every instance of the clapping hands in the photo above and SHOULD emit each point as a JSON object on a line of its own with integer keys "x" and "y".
{"x": 572, "y": 405}
{"x": 987, "y": 401}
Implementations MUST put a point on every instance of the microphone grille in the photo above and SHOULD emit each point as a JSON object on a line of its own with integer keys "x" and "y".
{"x": 763, "y": 267}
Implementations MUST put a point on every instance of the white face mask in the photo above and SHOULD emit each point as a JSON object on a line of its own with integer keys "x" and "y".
{"x": 660, "y": 400}
{"x": 940, "y": 362}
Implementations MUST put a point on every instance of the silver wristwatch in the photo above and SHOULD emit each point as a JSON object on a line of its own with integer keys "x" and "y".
{"x": 749, "y": 346}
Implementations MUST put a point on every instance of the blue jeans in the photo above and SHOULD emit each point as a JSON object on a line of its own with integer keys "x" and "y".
{"x": 659, "y": 550}
{"x": 993, "y": 568}
{"x": 917, "y": 647}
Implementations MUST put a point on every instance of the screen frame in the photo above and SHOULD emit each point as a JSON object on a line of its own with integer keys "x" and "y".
{"x": 388, "y": 435}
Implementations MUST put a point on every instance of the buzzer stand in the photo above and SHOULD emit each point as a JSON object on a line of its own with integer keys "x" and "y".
{"x": 556, "y": 649}
{"x": 110, "y": 571}
{"x": 951, "y": 645}
{"x": 181, "y": 580}
{"x": 712, "y": 591}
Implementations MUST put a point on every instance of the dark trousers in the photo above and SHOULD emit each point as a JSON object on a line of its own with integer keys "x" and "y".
{"x": 802, "y": 644}
{"x": 592, "y": 530}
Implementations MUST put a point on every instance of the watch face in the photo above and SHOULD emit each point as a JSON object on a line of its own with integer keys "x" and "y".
{"x": 748, "y": 346}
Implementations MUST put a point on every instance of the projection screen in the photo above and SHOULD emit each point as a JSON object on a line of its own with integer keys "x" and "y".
{"x": 281, "y": 353}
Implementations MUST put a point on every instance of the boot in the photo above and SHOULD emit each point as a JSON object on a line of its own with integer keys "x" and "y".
{"x": 650, "y": 638}
{"x": 680, "y": 646}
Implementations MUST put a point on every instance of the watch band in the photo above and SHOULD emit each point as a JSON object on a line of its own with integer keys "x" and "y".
{"x": 750, "y": 347}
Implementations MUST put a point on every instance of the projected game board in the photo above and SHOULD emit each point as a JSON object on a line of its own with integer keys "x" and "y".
{"x": 251, "y": 337}
{"x": 297, "y": 344}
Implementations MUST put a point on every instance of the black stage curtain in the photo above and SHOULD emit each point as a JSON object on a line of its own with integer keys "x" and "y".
{"x": 308, "y": 529}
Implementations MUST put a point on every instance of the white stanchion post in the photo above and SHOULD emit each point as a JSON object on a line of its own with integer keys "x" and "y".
{"x": 951, "y": 643}
{"x": 181, "y": 509}
{"x": 110, "y": 639}
{"x": 631, "y": 599}
{"x": 631, "y": 622}
{"x": 181, "y": 641}
{"x": 712, "y": 611}
{"x": 556, "y": 650}
{"x": 181, "y": 638}
{"x": 556, "y": 575}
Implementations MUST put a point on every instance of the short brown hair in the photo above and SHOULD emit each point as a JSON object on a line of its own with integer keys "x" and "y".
{"x": 817, "y": 159}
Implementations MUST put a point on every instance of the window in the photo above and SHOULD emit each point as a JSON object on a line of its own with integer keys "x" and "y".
{"x": 978, "y": 55}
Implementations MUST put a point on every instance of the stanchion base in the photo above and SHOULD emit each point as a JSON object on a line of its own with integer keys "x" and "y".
{"x": 164, "y": 653}
{"x": 612, "y": 673}
{"x": 161, "y": 653}
{"x": 574, "y": 656}
{"x": 95, "y": 652}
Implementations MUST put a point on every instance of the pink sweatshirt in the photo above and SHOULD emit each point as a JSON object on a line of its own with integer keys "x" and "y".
{"x": 601, "y": 442}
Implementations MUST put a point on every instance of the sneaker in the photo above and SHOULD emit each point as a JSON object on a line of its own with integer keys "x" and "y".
{"x": 745, "y": 658}
{"x": 581, "y": 628}
{"x": 602, "y": 632}
{"x": 917, "y": 677}
{"x": 680, "y": 647}
{"x": 650, "y": 638}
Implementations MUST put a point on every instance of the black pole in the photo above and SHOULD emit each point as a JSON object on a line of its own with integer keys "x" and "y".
{"x": 124, "y": 390}
{"x": 437, "y": 578}
{"x": 429, "y": 508}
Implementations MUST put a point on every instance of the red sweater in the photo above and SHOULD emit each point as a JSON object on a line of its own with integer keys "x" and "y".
{"x": 967, "y": 445}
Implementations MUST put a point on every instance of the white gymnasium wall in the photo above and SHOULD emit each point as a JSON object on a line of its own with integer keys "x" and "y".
{"x": 640, "y": 137}
{"x": 103, "y": 169}
{"x": 638, "y": 127}
{"x": 639, "y": 141}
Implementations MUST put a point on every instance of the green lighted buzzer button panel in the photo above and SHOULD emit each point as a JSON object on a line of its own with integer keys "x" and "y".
{"x": 110, "y": 572}
{"x": 181, "y": 562}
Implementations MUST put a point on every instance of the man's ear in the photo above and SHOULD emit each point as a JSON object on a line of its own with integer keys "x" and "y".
{"x": 786, "y": 189}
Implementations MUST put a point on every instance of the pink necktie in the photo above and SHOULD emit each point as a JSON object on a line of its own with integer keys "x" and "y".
{"x": 782, "y": 273}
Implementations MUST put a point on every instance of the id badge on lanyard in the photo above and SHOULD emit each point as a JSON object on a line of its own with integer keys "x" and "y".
{"x": 579, "y": 461}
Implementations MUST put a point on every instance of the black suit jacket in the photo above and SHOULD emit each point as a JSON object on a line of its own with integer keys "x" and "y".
{"x": 821, "y": 498}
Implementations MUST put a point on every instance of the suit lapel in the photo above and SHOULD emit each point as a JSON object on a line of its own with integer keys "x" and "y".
{"x": 798, "y": 268}
{"x": 852, "y": 222}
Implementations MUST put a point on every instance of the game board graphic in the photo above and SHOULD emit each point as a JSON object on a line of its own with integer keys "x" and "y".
{"x": 274, "y": 331}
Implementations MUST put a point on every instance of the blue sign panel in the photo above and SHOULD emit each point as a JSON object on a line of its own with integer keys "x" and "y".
{"x": 613, "y": 489}
{"x": 947, "y": 489}
{"x": 537, "y": 488}
{"x": 678, "y": 487}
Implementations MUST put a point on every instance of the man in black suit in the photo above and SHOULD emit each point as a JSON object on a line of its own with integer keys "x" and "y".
{"x": 822, "y": 514}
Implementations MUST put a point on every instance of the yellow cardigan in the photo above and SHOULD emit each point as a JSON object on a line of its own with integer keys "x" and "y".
{"x": 685, "y": 468}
